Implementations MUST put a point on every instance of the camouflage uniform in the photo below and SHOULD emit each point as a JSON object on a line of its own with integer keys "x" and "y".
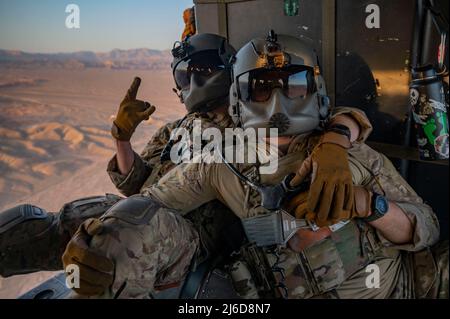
{"x": 147, "y": 169}
{"x": 332, "y": 268}
{"x": 48, "y": 234}
{"x": 33, "y": 240}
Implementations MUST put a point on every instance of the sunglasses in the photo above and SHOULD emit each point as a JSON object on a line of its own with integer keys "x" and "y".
{"x": 204, "y": 65}
{"x": 294, "y": 81}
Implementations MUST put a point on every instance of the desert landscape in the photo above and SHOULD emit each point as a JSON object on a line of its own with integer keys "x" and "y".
{"x": 55, "y": 115}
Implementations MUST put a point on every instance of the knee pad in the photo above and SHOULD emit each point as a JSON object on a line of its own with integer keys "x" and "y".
{"x": 33, "y": 240}
{"x": 19, "y": 214}
{"x": 73, "y": 214}
{"x": 135, "y": 210}
{"x": 26, "y": 234}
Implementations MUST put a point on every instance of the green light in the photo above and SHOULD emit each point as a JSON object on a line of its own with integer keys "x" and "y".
{"x": 291, "y": 8}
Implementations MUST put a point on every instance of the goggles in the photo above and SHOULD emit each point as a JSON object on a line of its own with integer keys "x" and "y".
{"x": 295, "y": 81}
{"x": 204, "y": 64}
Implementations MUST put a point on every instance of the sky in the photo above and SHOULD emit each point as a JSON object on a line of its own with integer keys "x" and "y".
{"x": 40, "y": 25}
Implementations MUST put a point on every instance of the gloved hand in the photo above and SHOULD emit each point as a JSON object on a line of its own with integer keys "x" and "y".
{"x": 331, "y": 191}
{"x": 96, "y": 271}
{"x": 358, "y": 206}
{"x": 131, "y": 113}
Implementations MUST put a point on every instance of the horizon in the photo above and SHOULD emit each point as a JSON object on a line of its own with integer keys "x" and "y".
{"x": 39, "y": 27}
{"x": 68, "y": 52}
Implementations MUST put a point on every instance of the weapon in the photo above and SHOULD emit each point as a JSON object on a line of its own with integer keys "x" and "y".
{"x": 260, "y": 269}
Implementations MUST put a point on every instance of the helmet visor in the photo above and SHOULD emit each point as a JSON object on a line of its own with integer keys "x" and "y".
{"x": 294, "y": 81}
{"x": 204, "y": 64}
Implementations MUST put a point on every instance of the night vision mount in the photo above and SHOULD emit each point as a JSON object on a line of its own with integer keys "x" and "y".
{"x": 273, "y": 56}
{"x": 180, "y": 49}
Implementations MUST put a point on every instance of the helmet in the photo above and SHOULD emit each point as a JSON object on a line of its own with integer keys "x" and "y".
{"x": 202, "y": 71}
{"x": 277, "y": 84}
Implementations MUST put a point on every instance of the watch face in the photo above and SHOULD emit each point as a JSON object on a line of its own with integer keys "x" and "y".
{"x": 381, "y": 205}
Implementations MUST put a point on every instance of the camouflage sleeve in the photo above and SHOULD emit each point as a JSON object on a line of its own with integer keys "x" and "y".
{"x": 155, "y": 146}
{"x": 359, "y": 116}
{"x": 185, "y": 187}
{"x": 143, "y": 164}
{"x": 129, "y": 184}
{"x": 423, "y": 219}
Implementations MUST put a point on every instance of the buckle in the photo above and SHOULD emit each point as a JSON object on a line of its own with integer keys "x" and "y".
{"x": 337, "y": 226}
{"x": 312, "y": 225}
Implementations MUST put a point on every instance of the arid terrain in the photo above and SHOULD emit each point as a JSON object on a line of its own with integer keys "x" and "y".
{"x": 54, "y": 132}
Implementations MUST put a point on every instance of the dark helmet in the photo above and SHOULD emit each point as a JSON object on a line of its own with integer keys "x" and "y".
{"x": 202, "y": 71}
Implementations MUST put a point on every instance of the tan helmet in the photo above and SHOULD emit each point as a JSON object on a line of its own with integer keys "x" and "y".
{"x": 277, "y": 83}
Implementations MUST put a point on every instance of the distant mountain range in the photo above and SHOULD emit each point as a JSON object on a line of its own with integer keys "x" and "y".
{"x": 142, "y": 59}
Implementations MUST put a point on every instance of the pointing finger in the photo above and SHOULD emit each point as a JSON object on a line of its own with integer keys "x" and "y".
{"x": 133, "y": 90}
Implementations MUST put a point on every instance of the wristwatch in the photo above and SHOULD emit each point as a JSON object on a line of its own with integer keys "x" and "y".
{"x": 380, "y": 207}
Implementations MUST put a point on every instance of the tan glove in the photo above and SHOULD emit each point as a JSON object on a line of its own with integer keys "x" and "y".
{"x": 331, "y": 189}
{"x": 359, "y": 206}
{"x": 96, "y": 271}
{"x": 131, "y": 113}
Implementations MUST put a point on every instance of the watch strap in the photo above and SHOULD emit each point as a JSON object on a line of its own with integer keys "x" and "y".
{"x": 376, "y": 214}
